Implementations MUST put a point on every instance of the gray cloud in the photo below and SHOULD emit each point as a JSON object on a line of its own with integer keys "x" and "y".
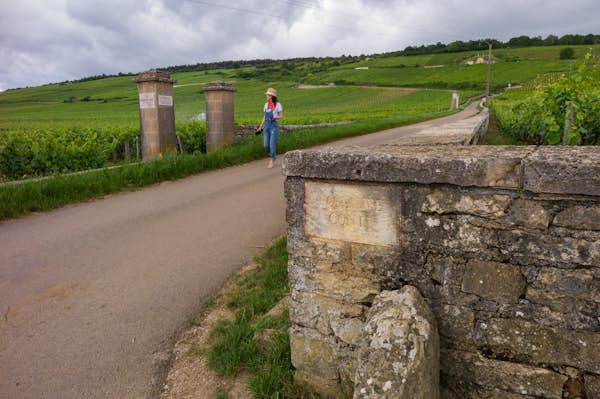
{"x": 55, "y": 40}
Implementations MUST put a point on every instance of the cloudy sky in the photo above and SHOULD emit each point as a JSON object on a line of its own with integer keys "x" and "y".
{"x": 44, "y": 41}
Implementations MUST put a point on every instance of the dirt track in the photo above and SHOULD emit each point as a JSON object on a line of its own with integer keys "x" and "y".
{"x": 92, "y": 295}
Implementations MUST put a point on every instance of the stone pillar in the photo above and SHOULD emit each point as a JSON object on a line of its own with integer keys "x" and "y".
{"x": 454, "y": 104}
{"x": 157, "y": 115}
{"x": 219, "y": 115}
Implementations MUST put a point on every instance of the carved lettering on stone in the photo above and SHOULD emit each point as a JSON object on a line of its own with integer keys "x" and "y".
{"x": 365, "y": 213}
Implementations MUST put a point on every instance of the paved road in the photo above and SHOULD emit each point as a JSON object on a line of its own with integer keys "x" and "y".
{"x": 93, "y": 295}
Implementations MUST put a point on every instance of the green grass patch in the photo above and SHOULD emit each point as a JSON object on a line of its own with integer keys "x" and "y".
{"x": 495, "y": 135}
{"x": 221, "y": 394}
{"x": 17, "y": 199}
{"x": 254, "y": 342}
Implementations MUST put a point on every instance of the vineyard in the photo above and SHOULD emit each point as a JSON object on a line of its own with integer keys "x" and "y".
{"x": 46, "y": 146}
{"x": 554, "y": 108}
{"x": 449, "y": 76}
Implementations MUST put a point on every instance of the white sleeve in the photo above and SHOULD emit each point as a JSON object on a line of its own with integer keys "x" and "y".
{"x": 278, "y": 109}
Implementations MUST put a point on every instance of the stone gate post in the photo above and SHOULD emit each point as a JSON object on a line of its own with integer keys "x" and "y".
{"x": 157, "y": 115}
{"x": 219, "y": 115}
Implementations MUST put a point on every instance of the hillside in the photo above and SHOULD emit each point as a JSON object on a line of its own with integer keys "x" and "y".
{"x": 113, "y": 100}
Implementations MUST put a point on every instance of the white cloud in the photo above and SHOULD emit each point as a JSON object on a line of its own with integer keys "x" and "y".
{"x": 55, "y": 40}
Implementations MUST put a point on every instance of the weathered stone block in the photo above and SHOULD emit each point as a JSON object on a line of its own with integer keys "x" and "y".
{"x": 530, "y": 248}
{"x": 559, "y": 288}
{"x": 317, "y": 312}
{"x": 456, "y": 325}
{"x": 456, "y": 235}
{"x": 530, "y": 214}
{"x": 527, "y": 342}
{"x": 539, "y": 314}
{"x": 481, "y": 166}
{"x": 592, "y": 386}
{"x": 349, "y": 289}
{"x": 349, "y": 330}
{"x": 374, "y": 260}
{"x": 446, "y": 270}
{"x": 579, "y": 217}
{"x": 328, "y": 316}
{"x": 494, "y": 374}
{"x": 499, "y": 282}
{"x": 563, "y": 170}
{"x": 332, "y": 251}
{"x": 293, "y": 189}
{"x": 448, "y": 201}
{"x": 300, "y": 276}
{"x": 399, "y": 354}
{"x": 454, "y": 389}
{"x": 352, "y": 259}
{"x": 315, "y": 358}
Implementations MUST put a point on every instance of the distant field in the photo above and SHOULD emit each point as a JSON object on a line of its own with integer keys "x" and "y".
{"x": 114, "y": 102}
{"x": 451, "y": 76}
{"x": 515, "y": 66}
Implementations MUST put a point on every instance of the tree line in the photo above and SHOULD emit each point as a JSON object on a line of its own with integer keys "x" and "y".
{"x": 482, "y": 44}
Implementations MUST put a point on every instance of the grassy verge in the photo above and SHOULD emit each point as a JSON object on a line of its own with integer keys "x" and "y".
{"x": 254, "y": 341}
{"x": 23, "y": 198}
{"x": 495, "y": 135}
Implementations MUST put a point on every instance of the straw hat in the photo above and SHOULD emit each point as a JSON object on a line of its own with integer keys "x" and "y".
{"x": 271, "y": 91}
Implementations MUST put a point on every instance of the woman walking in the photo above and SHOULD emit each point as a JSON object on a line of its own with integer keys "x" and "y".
{"x": 273, "y": 111}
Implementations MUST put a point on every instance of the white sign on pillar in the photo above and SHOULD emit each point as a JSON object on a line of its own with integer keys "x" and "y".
{"x": 165, "y": 101}
{"x": 147, "y": 100}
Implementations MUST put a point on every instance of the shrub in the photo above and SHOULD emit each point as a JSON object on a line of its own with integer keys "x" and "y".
{"x": 192, "y": 135}
{"x": 566, "y": 53}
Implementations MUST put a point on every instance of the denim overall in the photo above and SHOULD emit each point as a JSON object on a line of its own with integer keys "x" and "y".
{"x": 270, "y": 133}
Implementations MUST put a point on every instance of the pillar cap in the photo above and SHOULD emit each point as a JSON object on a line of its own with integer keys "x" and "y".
{"x": 154, "y": 75}
{"x": 218, "y": 86}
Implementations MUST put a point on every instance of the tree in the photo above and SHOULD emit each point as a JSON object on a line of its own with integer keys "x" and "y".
{"x": 551, "y": 40}
{"x": 589, "y": 39}
{"x": 567, "y": 53}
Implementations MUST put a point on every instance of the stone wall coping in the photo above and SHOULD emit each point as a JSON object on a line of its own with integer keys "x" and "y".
{"x": 218, "y": 86}
{"x": 154, "y": 75}
{"x": 463, "y": 132}
{"x": 537, "y": 169}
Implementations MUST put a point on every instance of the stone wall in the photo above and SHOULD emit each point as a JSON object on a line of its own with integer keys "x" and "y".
{"x": 502, "y": 242}
{"x": 464, "y": 132}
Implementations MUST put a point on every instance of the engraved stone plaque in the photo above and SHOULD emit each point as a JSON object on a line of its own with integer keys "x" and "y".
{"x": 365, "y": 213}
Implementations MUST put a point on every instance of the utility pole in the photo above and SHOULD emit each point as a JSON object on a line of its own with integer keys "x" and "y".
{"x": 489, "y": 72}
